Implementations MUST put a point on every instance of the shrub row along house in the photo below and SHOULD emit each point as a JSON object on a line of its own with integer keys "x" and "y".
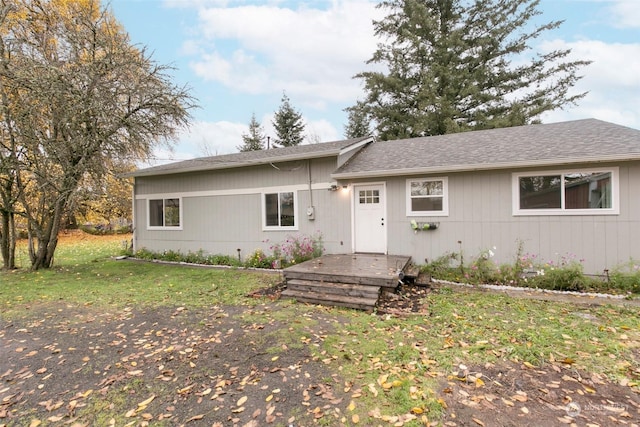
{"x": 557, "y": 190}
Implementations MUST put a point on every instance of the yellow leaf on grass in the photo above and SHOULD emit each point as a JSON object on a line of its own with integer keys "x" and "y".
{"x": 35, "y": 423}
{"x": 383, "y": 379}
{"x": 479, "y": 382}
{"x": 373, "y": 390}
{"x": 355, "y": 419}
{"x": 417, "y": 410}
{"x": 147, "y": 401}
{"x": 351, "y": 406}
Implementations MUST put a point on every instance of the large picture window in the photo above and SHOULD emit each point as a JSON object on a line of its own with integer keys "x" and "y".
{"x": 427, "y": 197}
{"x": 581, "y": 192}
{"x": 279, "y": 211}
{"x": 165, "y": 213}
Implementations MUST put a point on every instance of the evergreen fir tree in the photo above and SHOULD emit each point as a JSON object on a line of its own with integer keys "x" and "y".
{"x": 288, "y": 125}
{"x": 358, "y": 122}
{"x": 454, "y": 65}
{"x": 254, "y": 140}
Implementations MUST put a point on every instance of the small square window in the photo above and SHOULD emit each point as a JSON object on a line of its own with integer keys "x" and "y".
{"x": 427, "y": 197}
{"x": 164, "y": 213}
{"x": 279, "y": 211}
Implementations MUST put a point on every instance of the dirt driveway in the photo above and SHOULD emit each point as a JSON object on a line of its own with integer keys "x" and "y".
{"x": 81, "y": 366}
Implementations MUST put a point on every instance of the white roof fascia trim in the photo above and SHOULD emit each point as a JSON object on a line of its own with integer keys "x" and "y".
{"x": 355, "y": 145}
{"x": 482, "y": 166}
{"x": 231, "y": 165}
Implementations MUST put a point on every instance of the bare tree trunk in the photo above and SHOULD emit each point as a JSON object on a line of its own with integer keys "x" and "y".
{"x": 47, "y": 239}
{"x": 8, "y": 240}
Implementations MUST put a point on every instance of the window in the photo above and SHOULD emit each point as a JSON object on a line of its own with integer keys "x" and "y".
{"x": 367, "y": 197}
{"x": 577, "y": 192}
{"x": 165, "y": 213}
{"x": 279, "y": 211}
{"x": 427, "y": 197}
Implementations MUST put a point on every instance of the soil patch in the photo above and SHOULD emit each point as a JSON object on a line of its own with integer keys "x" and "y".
{"x": 166, "y": 366}
{"x": 232, "y": 366}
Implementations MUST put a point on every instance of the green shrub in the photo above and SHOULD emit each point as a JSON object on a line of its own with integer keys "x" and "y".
{"x": 626, "y": 277}
{"x": 563, "y": 274}
{"x": 198, "y": 257}
{"x": 569, "y": 277}
{"x": 258, "y": 259}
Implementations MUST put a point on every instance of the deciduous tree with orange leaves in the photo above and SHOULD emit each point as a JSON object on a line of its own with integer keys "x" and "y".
{"x": 75, "y": 97}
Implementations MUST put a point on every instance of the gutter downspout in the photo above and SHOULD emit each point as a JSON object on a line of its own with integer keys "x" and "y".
{"x": 311, "y": 210}
{"x": 133, "y": 216}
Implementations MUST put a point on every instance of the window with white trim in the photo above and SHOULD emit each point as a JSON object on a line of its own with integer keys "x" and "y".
{"x": 165, "y": 213}
{"x": 279, "y": 211}
{"x": 572, "y": 192}
{"x": 427, "y": 197}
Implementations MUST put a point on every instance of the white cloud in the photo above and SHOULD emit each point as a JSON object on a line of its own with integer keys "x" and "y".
{"x": 626, "y": 13}
{"x": 612, "y": 80}
{"x": 211, "y": 138}
{"x": 223, "y": 137}
{"x": 310, "y": 53}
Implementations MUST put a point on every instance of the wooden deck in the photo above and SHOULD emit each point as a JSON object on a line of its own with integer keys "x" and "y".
{"x": 349, "y": 280}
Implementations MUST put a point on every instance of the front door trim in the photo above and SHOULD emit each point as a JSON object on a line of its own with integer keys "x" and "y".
{"x": 354, "y": 199}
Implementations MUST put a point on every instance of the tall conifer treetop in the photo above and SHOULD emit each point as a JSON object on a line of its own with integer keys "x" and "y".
{"x": 456, "y": 65}
{"x": 288, "y": 124}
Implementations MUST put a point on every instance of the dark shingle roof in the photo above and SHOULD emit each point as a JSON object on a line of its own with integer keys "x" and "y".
{"x": 250, "y": 158}
{"x": 588, "y": 140}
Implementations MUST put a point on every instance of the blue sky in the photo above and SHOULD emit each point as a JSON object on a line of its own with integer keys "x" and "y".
{"x": 239, "y": 56}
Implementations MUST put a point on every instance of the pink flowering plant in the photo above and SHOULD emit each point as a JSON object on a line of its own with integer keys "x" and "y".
{"x": 298, "y": 248}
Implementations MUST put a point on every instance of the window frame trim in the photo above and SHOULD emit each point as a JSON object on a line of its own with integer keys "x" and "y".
{"x": 296, "y": 217}
{"x": 164, "y": 227}
{"x": 563, "y": 211}
{"x": 445, "y": 197}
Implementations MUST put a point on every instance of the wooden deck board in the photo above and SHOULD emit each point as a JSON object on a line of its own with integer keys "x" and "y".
{"x": 352, "y": 280}
{"x": 349, "y": 289}
{"x": 365, "y": 269}
{"x": 325, "y": 299}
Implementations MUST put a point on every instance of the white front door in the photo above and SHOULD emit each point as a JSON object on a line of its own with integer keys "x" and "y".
{"x": 369, "y": 218}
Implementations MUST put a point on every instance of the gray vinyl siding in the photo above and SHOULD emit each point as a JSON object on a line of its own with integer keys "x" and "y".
{"x": 221, "y": 224}
{"x": 480, "y": 217}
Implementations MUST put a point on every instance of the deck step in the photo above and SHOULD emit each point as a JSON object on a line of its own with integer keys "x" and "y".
{"x": 355, "y": 279}
{"x": 360, "y": 303}
{"x": 411, "y": 271}
{"x": 333, "y": 288}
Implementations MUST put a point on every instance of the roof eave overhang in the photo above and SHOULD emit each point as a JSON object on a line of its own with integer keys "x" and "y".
{"x": 229, "y": 165}
{"x": 483, "y": 167}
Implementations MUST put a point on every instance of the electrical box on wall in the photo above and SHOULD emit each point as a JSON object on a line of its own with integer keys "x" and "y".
{"x": 311, "y": 213}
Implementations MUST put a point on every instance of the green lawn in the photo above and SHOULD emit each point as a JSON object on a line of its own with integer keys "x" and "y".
{"x": 390, "y": 365}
